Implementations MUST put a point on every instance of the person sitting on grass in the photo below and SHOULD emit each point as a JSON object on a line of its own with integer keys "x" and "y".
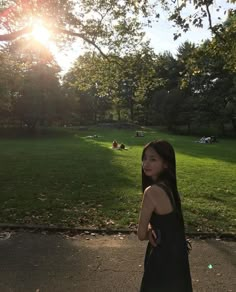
{"x": 114, "y": 144}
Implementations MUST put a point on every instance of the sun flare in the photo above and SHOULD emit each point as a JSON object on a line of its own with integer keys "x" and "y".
{"x": 40, "y": 33}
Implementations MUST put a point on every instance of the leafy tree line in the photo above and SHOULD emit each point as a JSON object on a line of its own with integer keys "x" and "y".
{"x": 30, "y": 91}
{"x": 195, "y": 88}
{"x": 115, "y": 26}
{"x": 130, "y": 82}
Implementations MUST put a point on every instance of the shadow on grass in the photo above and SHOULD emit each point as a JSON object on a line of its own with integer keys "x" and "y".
{"x": 75, "y": 180}
{"x": 72, "y": 181}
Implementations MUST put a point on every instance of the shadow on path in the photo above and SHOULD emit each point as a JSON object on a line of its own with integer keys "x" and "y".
{"x": 43, "y": 262}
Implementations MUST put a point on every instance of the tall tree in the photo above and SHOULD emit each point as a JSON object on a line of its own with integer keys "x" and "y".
{"x": 111, "y": 26}
{"x": 38, "y": 97}
{"x": 211, "y": 85}
{"x": 31, "y": 82}
{"x": 223, "y": 44}
{"x": 161, "y": 99}
{"x": 185, "y": 58}
{"x": 89, "y": 88}
{"x": 124, "y": 85}
{"x": 9, "y": 81}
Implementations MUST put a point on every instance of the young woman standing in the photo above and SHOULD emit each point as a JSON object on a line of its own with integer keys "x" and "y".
{"x": 166, "y": 265}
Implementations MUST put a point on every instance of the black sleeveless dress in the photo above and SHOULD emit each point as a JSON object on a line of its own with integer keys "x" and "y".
{"x": 166, "y": 267}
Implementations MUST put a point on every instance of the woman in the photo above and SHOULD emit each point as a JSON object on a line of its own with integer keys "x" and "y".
{"x": 166, "y": 265}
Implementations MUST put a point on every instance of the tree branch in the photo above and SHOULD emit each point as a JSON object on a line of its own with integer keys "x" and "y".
{"x": 14, "y": 35}
{"x": 82, "y": 36}
{"x": 28, "y": 29}
{"x": 212, "y": 28}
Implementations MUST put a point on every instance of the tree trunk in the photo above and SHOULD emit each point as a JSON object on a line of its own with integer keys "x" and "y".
{"x": 189, "y": 128}
{"x": 233, "y": 120}
{"x": 222, "y": 128}
{"x": 131, "y": 108}
{"x": 118, "y": 114}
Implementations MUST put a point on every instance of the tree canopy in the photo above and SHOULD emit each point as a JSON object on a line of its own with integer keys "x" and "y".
{"x": 197, "y": 86}
{"x": 114, "y": 26}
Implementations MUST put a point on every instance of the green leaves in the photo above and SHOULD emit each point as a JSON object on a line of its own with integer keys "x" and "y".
{"x": 110, "y": 26}
{"x": 122, "y": 85}
{"x": 30, "y": 83}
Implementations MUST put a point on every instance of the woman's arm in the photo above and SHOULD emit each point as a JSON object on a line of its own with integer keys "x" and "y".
{"x": 154, "y": 199}
{"x": 145, "y": 214}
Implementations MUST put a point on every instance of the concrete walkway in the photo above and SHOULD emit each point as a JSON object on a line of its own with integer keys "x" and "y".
{"x": 54, "y": 262}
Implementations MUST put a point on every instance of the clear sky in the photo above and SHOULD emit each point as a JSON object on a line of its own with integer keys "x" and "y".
{"x": 161, "y": 36}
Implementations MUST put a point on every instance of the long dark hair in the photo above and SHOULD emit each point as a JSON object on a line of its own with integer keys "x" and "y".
{"x": 168, "y": 177}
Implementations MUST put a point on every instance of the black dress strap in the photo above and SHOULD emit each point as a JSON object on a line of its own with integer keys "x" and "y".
{"x": 169, "y": 194}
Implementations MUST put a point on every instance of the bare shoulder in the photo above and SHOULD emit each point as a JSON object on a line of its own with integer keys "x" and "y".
{"x": 160, "y": 199}
{"x": 154, "y": 191}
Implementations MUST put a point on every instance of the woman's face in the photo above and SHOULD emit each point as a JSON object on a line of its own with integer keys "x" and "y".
{"x": 153, "y": 164}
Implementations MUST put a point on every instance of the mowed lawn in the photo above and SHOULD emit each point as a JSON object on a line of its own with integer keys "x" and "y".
{"x": 72, "y": 179}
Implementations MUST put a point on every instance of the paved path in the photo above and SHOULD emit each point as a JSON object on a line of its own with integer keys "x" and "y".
{"x": 41, "y": 262}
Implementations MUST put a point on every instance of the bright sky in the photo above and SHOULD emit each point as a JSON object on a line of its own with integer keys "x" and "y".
{"x": 161, "y": 36}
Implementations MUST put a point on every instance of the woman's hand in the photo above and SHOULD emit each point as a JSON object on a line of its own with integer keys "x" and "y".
{"x": 152, "y": 237}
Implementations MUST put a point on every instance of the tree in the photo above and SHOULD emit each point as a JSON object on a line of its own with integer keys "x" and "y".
{"x": 137, "y": 77}
{"x": 31, "y": 85}
{"x": 201, "y": 10}
{"x": 160, "y": 98}
{"x": 38, "y": 96}
{"x": 109, "y": 26}
{"x": 9, "y": 81}
{"x": 123, "y": 85}
{"x": 230, "y": 108}
{"x": 185, "y": 58}
{"x": 223, "y": 44}
{"x": 211, "y": 85}
{"x": 89, "y": 88}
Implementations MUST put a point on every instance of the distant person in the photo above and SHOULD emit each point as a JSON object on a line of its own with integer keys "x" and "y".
{"x": 166, "y": 265}
{"x": 202, "y": 140}
{"x": 208, "y": 140}
{"x": 114, "y": 144}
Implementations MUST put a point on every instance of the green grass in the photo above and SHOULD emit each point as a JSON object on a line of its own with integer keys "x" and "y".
{"x": 69, "y": 179}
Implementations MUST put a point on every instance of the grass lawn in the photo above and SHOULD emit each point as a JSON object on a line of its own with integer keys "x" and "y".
{"x": 73, "y": 180}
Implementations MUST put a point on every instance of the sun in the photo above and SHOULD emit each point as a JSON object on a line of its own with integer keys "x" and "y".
{"x": 40, "y": 33}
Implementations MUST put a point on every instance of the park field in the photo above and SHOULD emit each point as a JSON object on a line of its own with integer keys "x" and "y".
{"x": 68, "y": 177}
